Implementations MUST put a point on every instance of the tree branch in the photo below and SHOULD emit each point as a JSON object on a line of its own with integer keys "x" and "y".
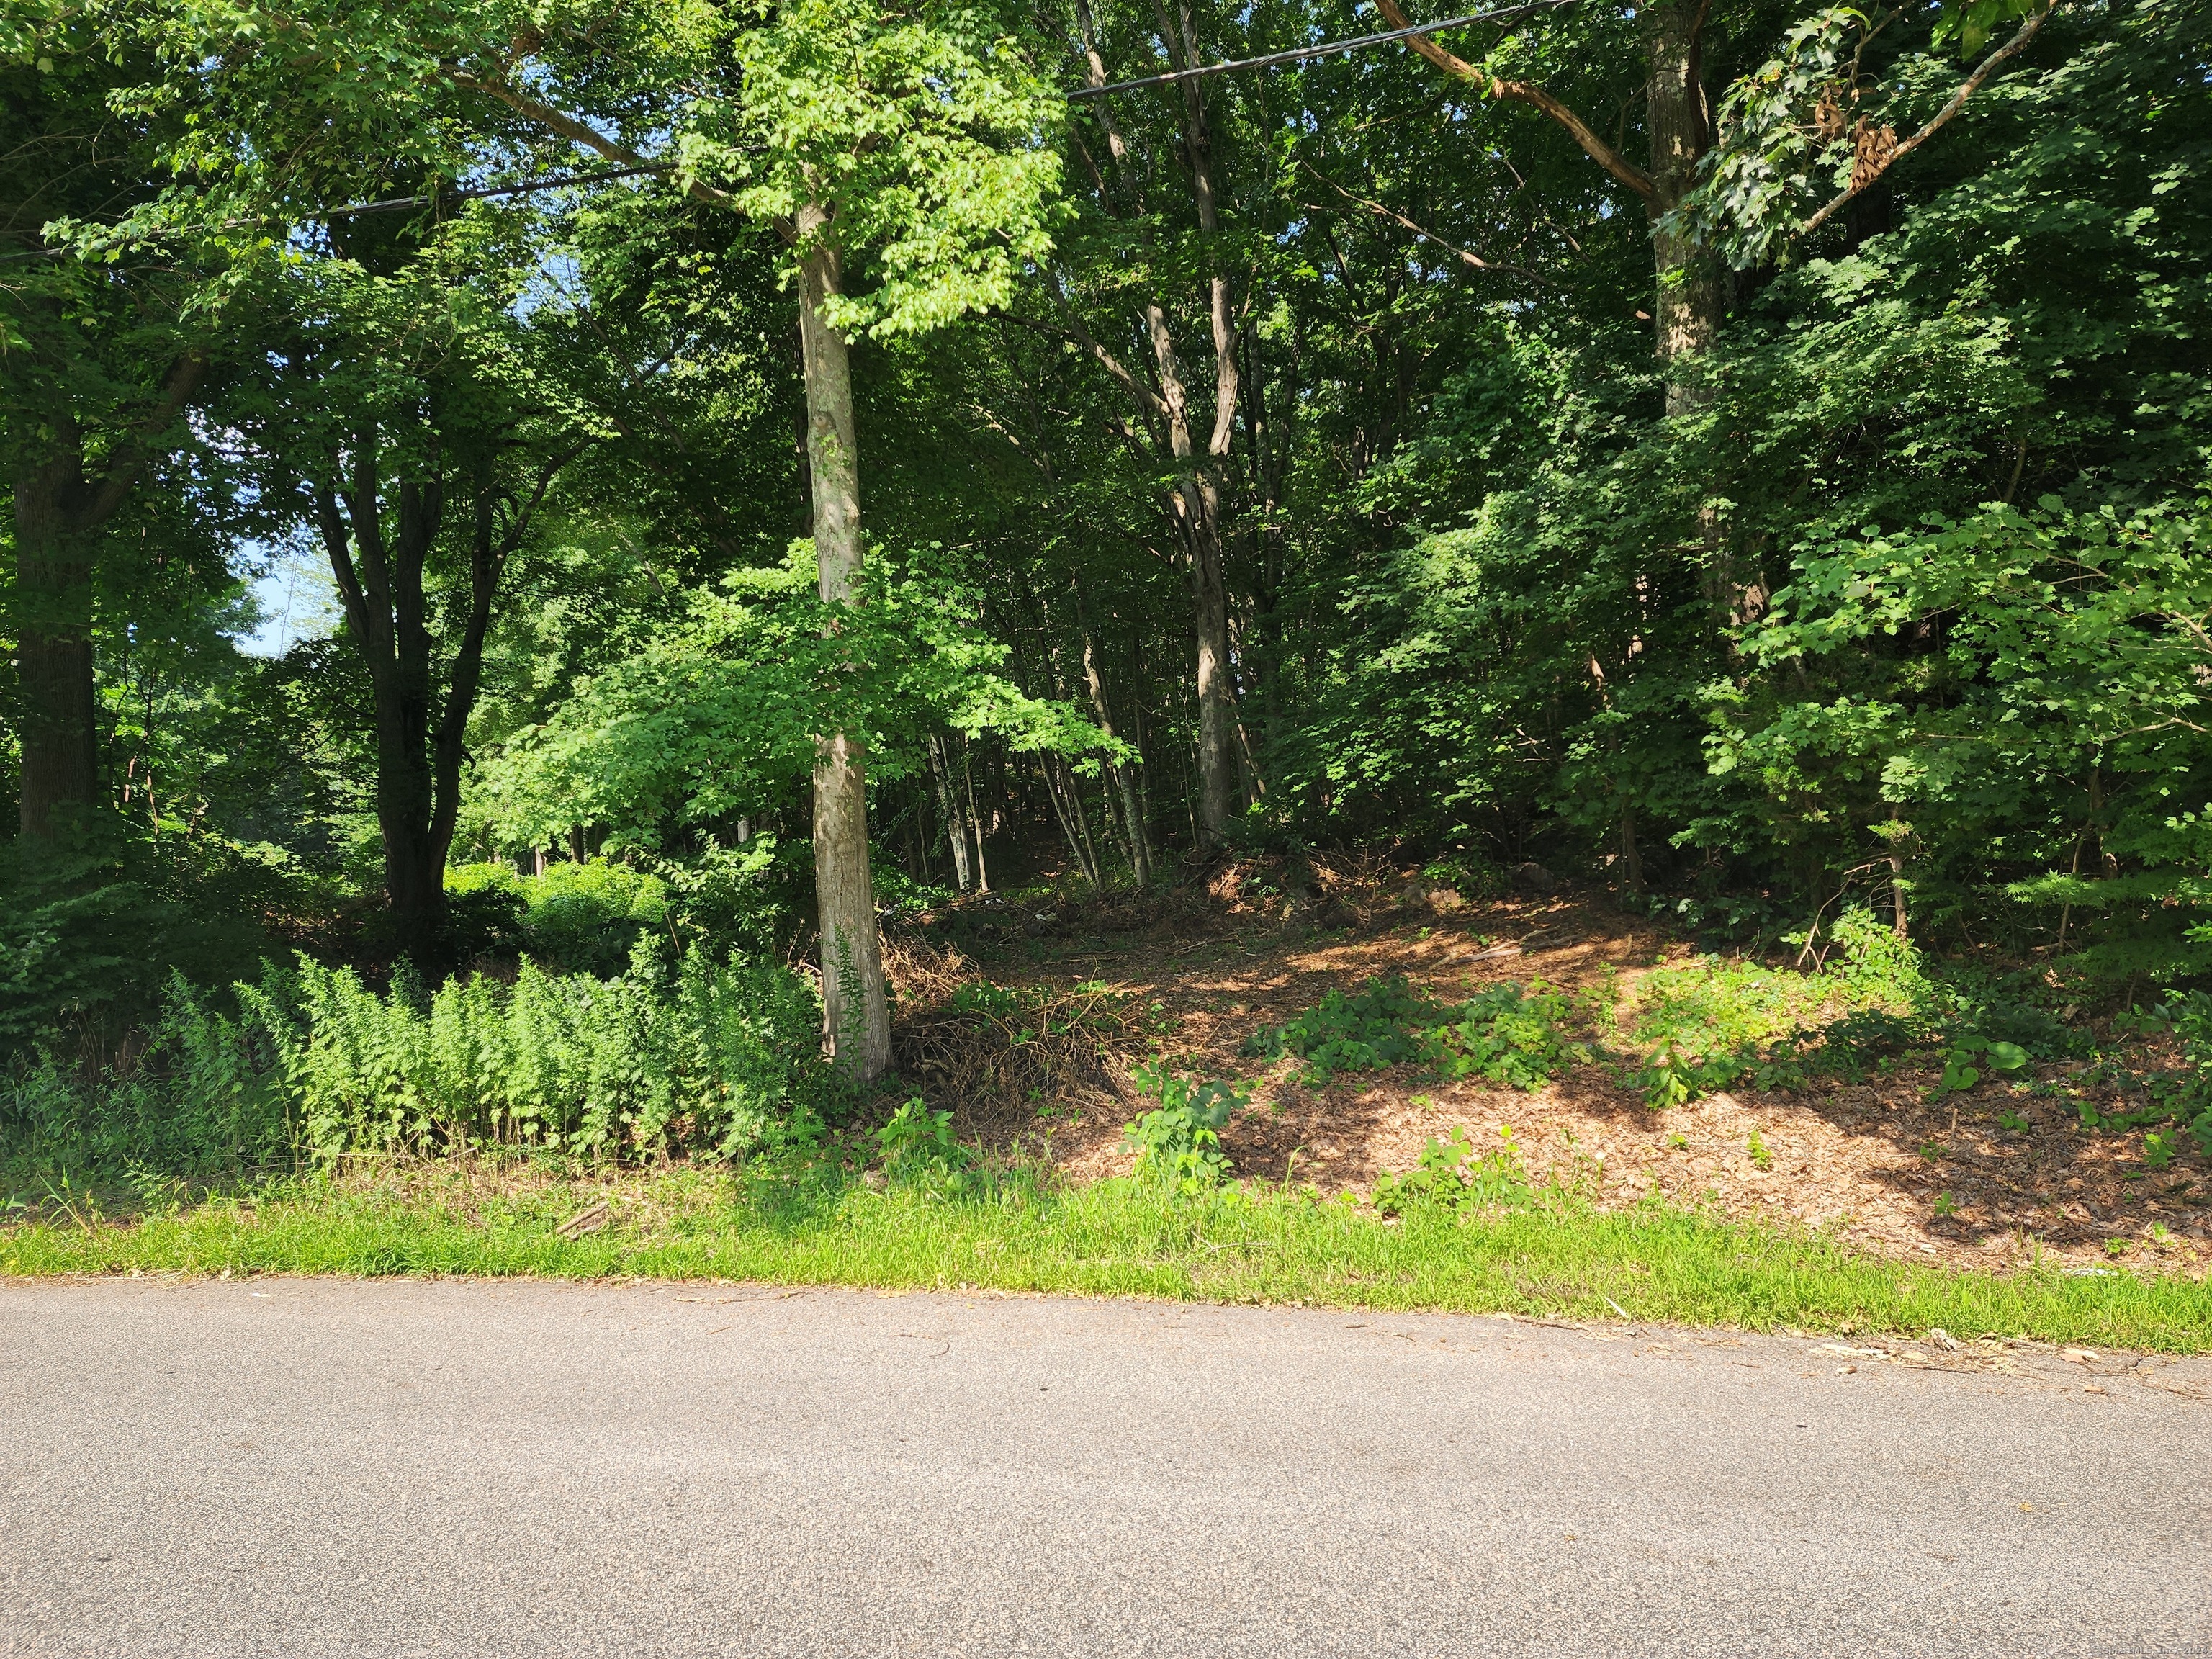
{"x": 1523, "y": 92}
{"x": 123, "y": 467}
{"x": 2010, "y": 49}
{"x": 580, "y": 132}
{"x": 1475, "y": 260}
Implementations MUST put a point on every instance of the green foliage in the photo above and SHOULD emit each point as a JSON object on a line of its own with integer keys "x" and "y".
{"x": 1178, "y": 1142}
{"x": 706, "y": 1056}
{"x": 1506, "y": 1033}
{"x": 2180, "y": 1095}
{"x": 918, "y": 1144}
{"x": 93, "y": 929}
{"x": 576, "y": 918}
{"x": 1450, "y": 1177}
{"x": 1707, "y": 1024}
{"x": 1959, "y": 1071}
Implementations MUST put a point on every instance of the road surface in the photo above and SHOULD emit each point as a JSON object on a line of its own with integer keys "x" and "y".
{"x": 307, "y": 1467}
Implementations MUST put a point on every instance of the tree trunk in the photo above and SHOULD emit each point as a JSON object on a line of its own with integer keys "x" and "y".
{"x": 956, "y": 821}
{"x": 1686, "y": 305}
{"x": 1216, "y": 709}
{"x": 855, "y": 1011}
{"x": 55, "y": 706}
{"x": 975, "y": 818}
{"x": 380, "y": 580}
{"x": 1133, "y": 817}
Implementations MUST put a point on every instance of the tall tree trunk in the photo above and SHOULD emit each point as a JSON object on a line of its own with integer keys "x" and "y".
{"x": 59, "y": 512}
{"x": 975, "y": 818}
{"x": 380, "y": 579}
{"x": 1690, "y": 293}
{"x": 420, "y": 735}
{"x": 854, "y": 1009}
{"x": 55, "y": 703}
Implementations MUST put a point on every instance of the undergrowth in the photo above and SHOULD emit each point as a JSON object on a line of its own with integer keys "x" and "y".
{"x": 1506, "y": 1033}
{"x": 1711, "y": 1023}
{"x": 700, "y": 1055}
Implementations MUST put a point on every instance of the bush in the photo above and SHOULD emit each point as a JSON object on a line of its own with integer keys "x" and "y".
{"x": 91, "y": 929}
{"x": 1709, "y": 1024}
{"x": 1450, "y": 1177}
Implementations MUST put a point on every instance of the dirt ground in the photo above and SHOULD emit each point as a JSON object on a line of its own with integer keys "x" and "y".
{"x": 1876, "y": 1162}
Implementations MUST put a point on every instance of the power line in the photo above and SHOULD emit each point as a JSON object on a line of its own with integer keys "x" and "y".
{"x": 1296, "y": 54}
{"x": 395, "y": 203}
{"x": 1299, "y": 54}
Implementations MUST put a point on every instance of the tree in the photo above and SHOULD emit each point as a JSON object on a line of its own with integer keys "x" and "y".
{"x": 100, "y": 363}
{"x": 909, "y": 139}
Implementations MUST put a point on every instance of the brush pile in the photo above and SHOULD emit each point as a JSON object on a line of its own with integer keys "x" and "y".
{"x": 996, "y": 1054}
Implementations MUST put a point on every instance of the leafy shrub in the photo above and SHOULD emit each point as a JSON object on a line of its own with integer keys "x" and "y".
{"x": 1179, "y": 1141}
{"x": 91, "y": 929}
{"x": 1708, "y": 1024}
{"x": 1504, "y": 1032}
{"x": 2180, "y": 1094}
{"x": 1449, "y": 1176}
{"x": 204, "y": 1094}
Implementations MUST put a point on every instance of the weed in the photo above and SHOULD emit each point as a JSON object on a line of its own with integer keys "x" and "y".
{"x": 1959, "y": 1071}
{"x": 1932, "y": 1151}
{"x": 702, "y": 1054}
{"x": 918, "y": 1143}
{"x": 2116, "y": 1247}
{"x": 1179, "y": 1141}
{"x": 1506, "y": 1033}
{"x": 1945, "y": 1206}
{"x": 2012, "y": 1122}
{"x": 1450, "y": 1175}
{"x": 1757, "y": 1147}
{"x": 1679, "y": 1141}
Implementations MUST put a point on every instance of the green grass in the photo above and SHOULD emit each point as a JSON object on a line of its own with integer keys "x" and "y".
{"x": 1552, "y": 1256}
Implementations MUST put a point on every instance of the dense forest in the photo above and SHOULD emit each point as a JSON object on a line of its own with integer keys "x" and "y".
{"x": 644, "y": 493}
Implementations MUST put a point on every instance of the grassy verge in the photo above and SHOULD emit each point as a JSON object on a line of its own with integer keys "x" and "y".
{"x": 1553, "y": 1256}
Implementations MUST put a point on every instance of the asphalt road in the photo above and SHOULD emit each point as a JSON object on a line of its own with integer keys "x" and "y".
{"x": 312, "y": 1467}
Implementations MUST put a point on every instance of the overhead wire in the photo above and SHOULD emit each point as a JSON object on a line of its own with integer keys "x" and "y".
{"x": 1293, "y": 55}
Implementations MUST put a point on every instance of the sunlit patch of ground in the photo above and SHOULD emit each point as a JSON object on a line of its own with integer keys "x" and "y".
{"x": 1877, "y": 1163}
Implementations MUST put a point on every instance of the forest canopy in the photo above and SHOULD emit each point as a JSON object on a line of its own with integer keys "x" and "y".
{"x": 784, "y": 462}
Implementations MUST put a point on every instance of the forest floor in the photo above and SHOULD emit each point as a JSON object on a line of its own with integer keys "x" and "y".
{"x": 1881, "y": 1163}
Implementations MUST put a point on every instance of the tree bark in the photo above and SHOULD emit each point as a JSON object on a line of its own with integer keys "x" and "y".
{"x": 1133, "y": 817}
{"x": 380, "y": 582}
{"x": 59, "y": 513}
{"x": 55, "y": 703}
{"x": 420, "y": 735}
{"x": 855, "y": 1011}
{"x": 956, "y": 819}
{"x": 1687, "y": 303}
